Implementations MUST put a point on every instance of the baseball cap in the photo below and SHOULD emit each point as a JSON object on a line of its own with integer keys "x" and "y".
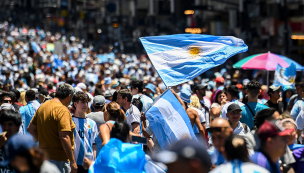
{"x": 99, "y": 100}
{"x": 220, "y": 80}
{"x": 290, "y": 120}
{"x": 240, "y": 86}
{"x": 108, "y": 93}
{"x": 43, "y": 91}
{"x": 273, "y": 128}
{"x": 185, "y": 148}
{"x": 107, "y": 72}
{"x": 81, "y": 86}
{"x": 273, "y": 88}
{"x": 185, "y": 95}
{"x": 287, "y": 87}
{"x": 40, "y": 81}
{"x": 107, "y": 80}
{"x": 233, "y": 107}
{"x": 151, "y": 87}
{"x": 200, "y": 86}
{"x": 17, "y": 144}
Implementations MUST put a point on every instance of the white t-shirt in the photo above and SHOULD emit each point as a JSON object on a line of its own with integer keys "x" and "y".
{"x": 215, "y": 105}
{"x": 300, "y": 120}
{"x": 207, "y": 103}
{"x": 201, "y": 117}
{"x": 133, "y": 115}
{"x": 239, "y": 130}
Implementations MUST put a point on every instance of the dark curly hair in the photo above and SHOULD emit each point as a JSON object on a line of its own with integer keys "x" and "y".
{"x": 253, "y": 88}
{"x": 137, "y": 84}
{"x": 138, "y": 103}
{"x": 80, "y": 96}
{"x": 233, "y": 90}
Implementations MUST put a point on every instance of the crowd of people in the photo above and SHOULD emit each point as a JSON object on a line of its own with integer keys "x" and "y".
{"x": 67, "y": 108}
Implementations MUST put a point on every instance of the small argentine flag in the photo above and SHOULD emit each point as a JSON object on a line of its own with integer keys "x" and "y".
{"x": 285, "y": 76}
{"x": 169, "y": 120}
{"x": 180, "y": 58}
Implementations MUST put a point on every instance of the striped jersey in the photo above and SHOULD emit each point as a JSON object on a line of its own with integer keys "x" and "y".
{"x": 296, "y": 109}
{"x": 146, "y": 101}
{"x": 85, "y": 133}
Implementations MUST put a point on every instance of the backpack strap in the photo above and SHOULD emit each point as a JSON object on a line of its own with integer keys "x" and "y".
{"x": 250, "y": 109}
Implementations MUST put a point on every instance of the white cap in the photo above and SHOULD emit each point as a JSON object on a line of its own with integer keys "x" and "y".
{"x": 107, "y": 72}
{"x": 81, "y": 86}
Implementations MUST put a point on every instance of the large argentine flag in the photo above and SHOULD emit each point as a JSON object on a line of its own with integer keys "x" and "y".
{"x": 168, "y": 120}
{"x": 180, "y": 58}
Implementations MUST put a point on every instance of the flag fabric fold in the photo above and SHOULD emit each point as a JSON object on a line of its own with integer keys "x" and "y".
{"x": 118, "y": 157}
{"x": 180, "y": 58}
{"x": 169, "y": 120}
{"x": 285, "y": 76}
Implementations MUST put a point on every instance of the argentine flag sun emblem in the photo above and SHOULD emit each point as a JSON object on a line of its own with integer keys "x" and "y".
{"x": 195, "y": 51}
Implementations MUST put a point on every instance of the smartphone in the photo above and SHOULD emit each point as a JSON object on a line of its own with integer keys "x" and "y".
{"x": 138, "y": 139}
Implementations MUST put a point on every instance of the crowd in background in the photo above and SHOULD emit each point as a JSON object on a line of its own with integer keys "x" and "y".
{"x": 70, "y": 108}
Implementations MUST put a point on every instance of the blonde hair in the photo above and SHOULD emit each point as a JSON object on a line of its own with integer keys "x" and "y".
{"x": 195, "y": 102}
{"x": 22, "y": 98}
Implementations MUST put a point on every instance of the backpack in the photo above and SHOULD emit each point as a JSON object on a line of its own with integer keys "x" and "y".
{"x": 245, "y": 127}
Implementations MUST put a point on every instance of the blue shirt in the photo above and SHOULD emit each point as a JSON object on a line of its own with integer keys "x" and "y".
{"x": 247, "y": 116}
{"x": 27, "y": 113}
{"x": 216, "y": 157}
{"x": 261, "y": 160}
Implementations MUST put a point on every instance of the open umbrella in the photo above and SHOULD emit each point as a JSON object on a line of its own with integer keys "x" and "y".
{"x": 266, "y": 61}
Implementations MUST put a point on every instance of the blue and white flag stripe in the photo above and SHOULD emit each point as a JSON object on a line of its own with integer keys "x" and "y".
{"x": 168, "y": 120}
{"x": 180, "y": 58}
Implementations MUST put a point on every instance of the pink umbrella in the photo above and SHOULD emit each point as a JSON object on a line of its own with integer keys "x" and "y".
{"x": 265, "y": 61}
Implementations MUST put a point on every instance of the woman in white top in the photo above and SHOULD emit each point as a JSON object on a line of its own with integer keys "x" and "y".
{"x": 216, "y": 107}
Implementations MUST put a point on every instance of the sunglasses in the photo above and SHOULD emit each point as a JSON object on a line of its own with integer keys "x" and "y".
{"x": 217, "y": 129}
{"x": 7, "y": 101}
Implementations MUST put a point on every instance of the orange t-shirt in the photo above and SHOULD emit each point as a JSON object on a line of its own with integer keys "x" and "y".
{"x": 51, "y": 118}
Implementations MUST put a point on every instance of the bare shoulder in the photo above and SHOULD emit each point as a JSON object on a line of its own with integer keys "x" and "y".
{"x": 191, "y": 111}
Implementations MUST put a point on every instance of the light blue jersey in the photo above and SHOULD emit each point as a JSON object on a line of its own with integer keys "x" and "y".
{"x": 146, "y": 101}
{"x": 247, "y": 116}
{"x": 297, "y": 107}
{"x": 85, "y": 134}
{"x": 27, "y": 113}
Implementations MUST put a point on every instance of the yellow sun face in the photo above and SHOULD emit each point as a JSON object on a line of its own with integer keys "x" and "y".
{"x": 194, "y": 51}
